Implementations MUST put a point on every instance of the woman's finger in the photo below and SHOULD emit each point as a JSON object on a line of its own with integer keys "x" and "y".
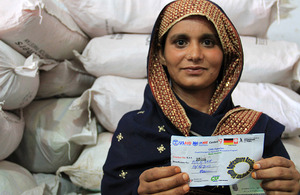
{"x": 279, "y": 193}
{"x": 180, "y": 190}
{"x": 159, "y": 172}
{"x": 281, "y": 173}
{"x": 275, "y": 168}
{"x": 162, "y": 180}
{"x": 280, "y": 185}
{"x": 165, "y": 184}
{"x": 276, "y": 161}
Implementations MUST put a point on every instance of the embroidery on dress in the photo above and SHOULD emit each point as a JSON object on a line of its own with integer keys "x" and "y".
{"x": 120, "y": 137}
{"x": 161, "y": 128}
{"x": 123, "y": 174}
{"x": 161, "y": 148}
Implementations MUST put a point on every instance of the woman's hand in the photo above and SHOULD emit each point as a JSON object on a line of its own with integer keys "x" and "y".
{"x": 164, "y": 180}
{"x": 279, "y": 175}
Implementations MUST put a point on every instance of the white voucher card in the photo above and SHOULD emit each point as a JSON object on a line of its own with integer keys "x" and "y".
{"x": 216, "y": 160}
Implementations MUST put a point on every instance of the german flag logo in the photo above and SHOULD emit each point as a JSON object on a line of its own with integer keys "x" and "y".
{"x": 230, "y": 141}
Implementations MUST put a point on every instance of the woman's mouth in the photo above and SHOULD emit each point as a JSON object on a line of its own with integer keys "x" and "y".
{"x": 194, "y": 69}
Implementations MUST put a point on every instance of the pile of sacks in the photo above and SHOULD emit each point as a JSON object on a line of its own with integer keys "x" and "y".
{"x": 70, "y": 69}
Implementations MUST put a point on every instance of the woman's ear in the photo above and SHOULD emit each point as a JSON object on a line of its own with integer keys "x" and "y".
{"x": 162, "y": 59}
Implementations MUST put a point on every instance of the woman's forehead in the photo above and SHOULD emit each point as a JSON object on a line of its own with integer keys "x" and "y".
{"x": 192, "y": 22}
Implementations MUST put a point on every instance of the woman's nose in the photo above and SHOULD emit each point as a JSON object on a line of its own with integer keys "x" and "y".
{"x": 195, "y": 52}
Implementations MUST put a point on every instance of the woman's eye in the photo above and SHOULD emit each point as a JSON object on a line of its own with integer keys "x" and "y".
{"x": 181, "y": 43}
{"x": 208, "y": 42}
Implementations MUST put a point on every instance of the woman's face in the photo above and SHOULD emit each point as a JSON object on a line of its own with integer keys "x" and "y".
{"x": 193, "y": 54}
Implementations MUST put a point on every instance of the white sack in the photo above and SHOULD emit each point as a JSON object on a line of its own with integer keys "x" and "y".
{"x": 296, "y": 78}
{"x": 42, "y": 189}
{"x": 253, "y": 17}
{"x": 41, "y": 27}
{"x": 11, "y": 132}
{"x": 280, "y": 103}
{"x": 53, "y": 135}
{"x": 19, "y": 79}
{"x": 67, "y": 79}
{"x": 268, "y": 61}
{"x": 87, "y": 171}
{"x": 102, "y": 17}
{"x": 292, "y": 145}
{"x": 111, "y": 97}
{"x": 61, "y": 186}
{"x": 14, "y": 179}
{"x": 120, "y": 55}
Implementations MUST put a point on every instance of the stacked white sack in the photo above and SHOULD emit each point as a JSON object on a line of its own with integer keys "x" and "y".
{"x": 292, "y": 145}
{"x": 111, "y": 97}
{"x": 281, "y": 103}
{"x": 269, "y": 61}
{"x": 56, "y": 186}
{"x": 119, "y": 54}
{"x": 54, "y": 135}
{"x": 15, "y": 179}
{"x": 11, "y": 132}
{"x": 126, "y": 55}
{"x": 65, "y": 79}
{"x": 296, "y": 78}
{"x": 101, "y": 17}
{"x": 41, "y": 27}
{"x": 19, "y": 78}
{"x": 87, "y": 171}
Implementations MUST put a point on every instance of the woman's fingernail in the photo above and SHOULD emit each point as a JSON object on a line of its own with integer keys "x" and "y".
{"x": 185, "y": 177}
{"x": 186, "y": 188}
{"x": 177, "y": 170}
{"x": 253, "y": 174}
{"x": 256, "y": 166}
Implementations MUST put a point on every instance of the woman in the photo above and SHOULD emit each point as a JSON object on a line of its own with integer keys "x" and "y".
{"x": 194, "y": 63}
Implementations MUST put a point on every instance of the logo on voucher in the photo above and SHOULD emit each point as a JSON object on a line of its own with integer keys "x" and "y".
{"x": 231, "y": 141}
{"x": 188, "y": 143}
{"x": 215, "y": 178}
{"x": 247, "y": 164}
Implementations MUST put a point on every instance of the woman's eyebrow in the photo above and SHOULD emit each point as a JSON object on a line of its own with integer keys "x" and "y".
{"x": 178, "y": 36}
{"x": 210, "y": 35}
{"x": 205, "y": 35}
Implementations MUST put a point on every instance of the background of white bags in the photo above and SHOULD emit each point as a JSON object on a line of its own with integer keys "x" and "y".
{"x": 60, "y": 106}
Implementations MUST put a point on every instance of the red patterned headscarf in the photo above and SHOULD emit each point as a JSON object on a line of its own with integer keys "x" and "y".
{"x": 232, "y": 63}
